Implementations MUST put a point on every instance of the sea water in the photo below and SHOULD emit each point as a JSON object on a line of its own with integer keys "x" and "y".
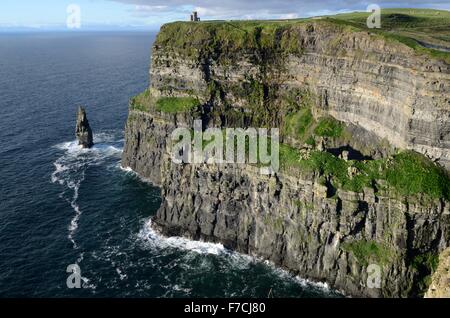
{"x": 62, "y": 205}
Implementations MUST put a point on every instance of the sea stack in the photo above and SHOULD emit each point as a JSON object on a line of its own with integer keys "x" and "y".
{"x": 83, "y": 130}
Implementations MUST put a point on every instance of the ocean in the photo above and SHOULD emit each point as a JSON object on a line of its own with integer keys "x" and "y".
{"x": 63, "y": 206}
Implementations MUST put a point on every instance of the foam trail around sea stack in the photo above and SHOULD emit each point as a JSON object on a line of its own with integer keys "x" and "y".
{"x": 71, "y": 166}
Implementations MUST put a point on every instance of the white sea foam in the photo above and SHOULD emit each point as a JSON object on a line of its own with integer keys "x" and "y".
{"x": 70, "y": 169}
{"x": 130, "y": 171}
{"x": 71, "y": 166}
{"x": 126, "y": 169}
{"x": 155, "y": 240}
{"x": 73, "y": 226}
{"x": 122, "y": 276}
{"x": 300, "y": 280}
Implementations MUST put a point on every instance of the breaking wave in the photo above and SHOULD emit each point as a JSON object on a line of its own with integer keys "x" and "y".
{"x": 71, "y": 167}
{"x": 70, "y": 170}
{"x": 175, "y": 262}
{"x": 154, "y": 240}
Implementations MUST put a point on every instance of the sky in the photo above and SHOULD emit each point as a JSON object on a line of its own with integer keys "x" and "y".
{"x": 150, "y": 14}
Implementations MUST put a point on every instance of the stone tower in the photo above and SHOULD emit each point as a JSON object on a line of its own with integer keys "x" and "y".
{"x": 194, "y": 17}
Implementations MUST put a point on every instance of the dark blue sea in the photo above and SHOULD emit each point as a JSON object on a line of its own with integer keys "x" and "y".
{"x": 60, "y": 205}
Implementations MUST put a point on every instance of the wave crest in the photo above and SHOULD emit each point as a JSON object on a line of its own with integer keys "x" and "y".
{"x": 71, "y": 166}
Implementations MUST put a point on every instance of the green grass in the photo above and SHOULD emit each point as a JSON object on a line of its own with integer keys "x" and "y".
{"x": 426, "y": 264}
{"x": 410, "y": 27}
{"x": 176, "y": 104}
{"x": 280, "y": 37}
{"x": 297, "y": 124}
{"x": 401, "y": 18}
{"x": 145, "y": 101}
{"x": 368, "y": 252}
{"x": 329, "y": 127}
{"x": 311, "y": 141}
{"x": 408, "y": 173}
{"x": 289, "y": 157}
{"x": 327, "y": 164}
{"x": 412, "y": 173}
{"x": 428, "y": 260}
{"x": 141, "y": 102}
{"x": 270, "y": 37}
{"x": 368, "y": 173}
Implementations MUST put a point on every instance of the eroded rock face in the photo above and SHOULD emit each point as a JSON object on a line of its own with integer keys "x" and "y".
{"x": 382, "y": 90}
{"x": 381, "y": 86}
{"x": 83, "y": 130}
{"x": 440, "y": 281}
{"x": 289, "y": 219}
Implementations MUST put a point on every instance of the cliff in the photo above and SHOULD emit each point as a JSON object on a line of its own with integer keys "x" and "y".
{"x": 440, "y": 281}
{"x": 362, "y": 118}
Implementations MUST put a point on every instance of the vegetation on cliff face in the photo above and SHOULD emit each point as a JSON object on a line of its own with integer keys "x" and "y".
{"x": 297, "y": 124}
{"x": 329, "y": 127}
{"x": 141, "y": 102}
{"x": 268, "y": 105}
{"x": 368, "y": 252}
{"x": 145, "y": 102}
{"x": 408, "y": 173}
{"x": 426, "y": 264}
{"x": 412, "y": 173}
{"x": 176, "y": 104}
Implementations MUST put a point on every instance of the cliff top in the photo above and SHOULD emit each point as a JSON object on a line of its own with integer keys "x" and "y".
{"x": 269, "y": 74}
{"x": 426, "y": 31}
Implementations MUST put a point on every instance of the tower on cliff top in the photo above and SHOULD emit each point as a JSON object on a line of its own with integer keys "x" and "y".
{"x": 195, "y": 17}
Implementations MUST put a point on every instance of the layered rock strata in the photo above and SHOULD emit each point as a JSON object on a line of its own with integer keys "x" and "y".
{"x": 83, "y": 131}
{"x": 368, "y": 243}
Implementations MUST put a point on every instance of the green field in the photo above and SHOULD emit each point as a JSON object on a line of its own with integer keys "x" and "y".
{"x": 425, "y": 30}
{"x": 429, "y": 26}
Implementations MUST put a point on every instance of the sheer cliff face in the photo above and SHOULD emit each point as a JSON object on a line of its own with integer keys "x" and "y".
{"x": 251, "y": 76}
{"x": 296, "y": 224}
{"x": 357, "y": 77}
{"x": 440, "y": 281}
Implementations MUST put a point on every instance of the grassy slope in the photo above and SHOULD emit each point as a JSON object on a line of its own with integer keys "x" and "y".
{"x": 238, "y": 36}
{"x": 409, "y": 173}
{"x": 433, "y": 25}
{"x": 416, "y": 28}
{"x": 412, "y": 27}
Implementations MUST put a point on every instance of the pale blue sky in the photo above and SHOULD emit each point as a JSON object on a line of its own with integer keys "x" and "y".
{"x": 150, "y": 14}
{"x": 95, "y": 14}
